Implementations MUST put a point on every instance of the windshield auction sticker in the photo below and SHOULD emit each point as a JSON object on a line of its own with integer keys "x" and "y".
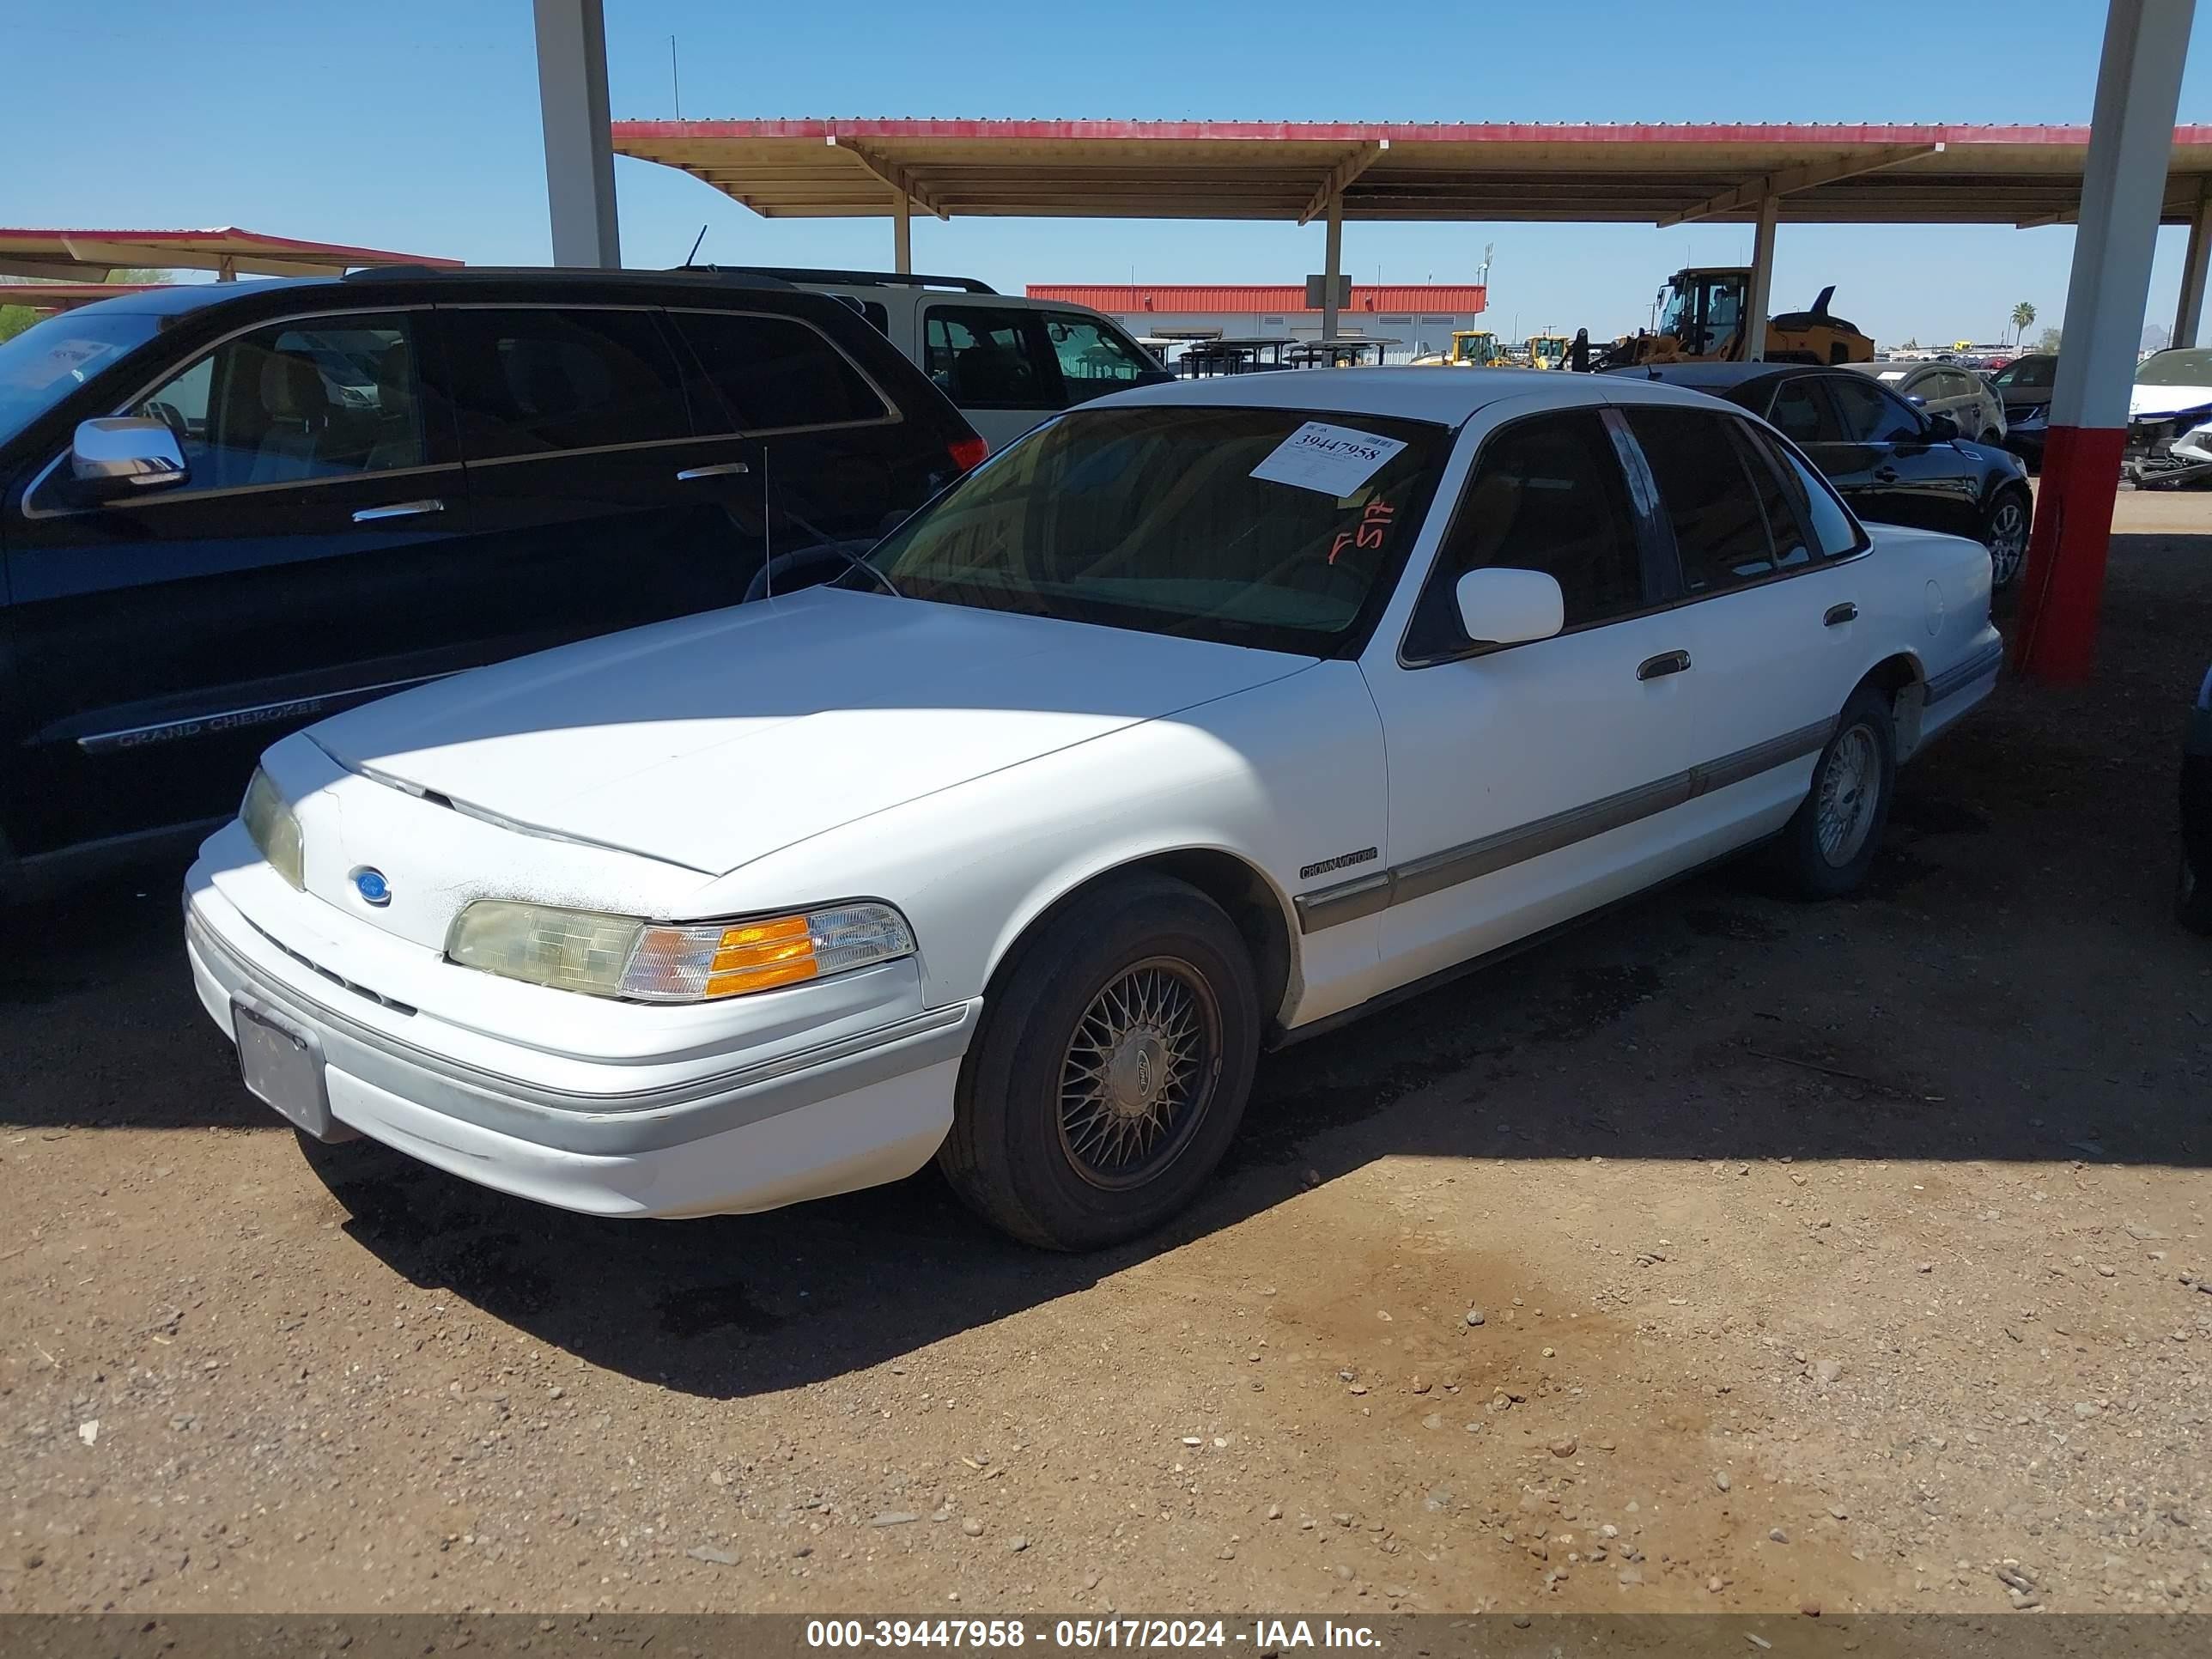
{"x": 1333, "y": 461}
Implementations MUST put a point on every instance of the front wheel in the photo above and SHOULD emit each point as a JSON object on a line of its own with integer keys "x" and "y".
{"x": 1116, "y": 1056}
{"x": 2004, "y": 532}
{"x": 1828, "y": 848}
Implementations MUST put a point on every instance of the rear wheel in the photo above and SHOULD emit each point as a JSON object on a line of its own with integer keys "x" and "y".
{"x": 2004, "y": 532}
{"x": 1828, "y": 848}
{"x": 1113, "y": 1065}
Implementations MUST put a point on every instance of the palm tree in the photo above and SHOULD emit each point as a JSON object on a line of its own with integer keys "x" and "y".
{"x": 2023, "y": 315}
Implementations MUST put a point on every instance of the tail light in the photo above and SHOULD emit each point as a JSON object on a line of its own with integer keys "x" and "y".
{"x": 968, "y": 453}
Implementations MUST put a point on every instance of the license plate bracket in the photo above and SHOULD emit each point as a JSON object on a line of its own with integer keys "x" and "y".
{"x": 281, "y": 1064}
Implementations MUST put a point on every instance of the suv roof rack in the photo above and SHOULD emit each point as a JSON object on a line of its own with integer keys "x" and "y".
{"x": 700, "y": 274}
{"x": 849, "y": 278}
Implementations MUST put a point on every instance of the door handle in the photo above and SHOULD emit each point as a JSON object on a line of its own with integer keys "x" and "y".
{"x": 399, "y": 510}
{"x": 1666, "y": 662}
{"x": 719, "y": 469}
{"x": 1887, "y": 474}
{"x": 1840, "y": 613}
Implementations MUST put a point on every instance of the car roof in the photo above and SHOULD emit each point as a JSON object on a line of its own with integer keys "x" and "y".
{"x": 1703, "y": 375}
{"x": 474, "y": 281}
{"x": 1447, "y": 396}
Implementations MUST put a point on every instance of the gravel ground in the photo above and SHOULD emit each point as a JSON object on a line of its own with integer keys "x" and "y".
{"x": 1728, "y": 1254}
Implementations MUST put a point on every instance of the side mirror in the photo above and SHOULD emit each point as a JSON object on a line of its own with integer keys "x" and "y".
{"x": 121, "y": 454}
{"x": 1942, "y": 429}
{"x": 1508, "y": 607}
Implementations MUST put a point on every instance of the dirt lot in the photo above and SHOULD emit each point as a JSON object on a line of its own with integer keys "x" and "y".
{"x": 1851, "y": 1256}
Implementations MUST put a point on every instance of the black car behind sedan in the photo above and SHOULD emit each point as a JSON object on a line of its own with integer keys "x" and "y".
{"x": 1893, "y": 463}
{"x": 2025, "y": 383}
{"x": 2193, "y": 900}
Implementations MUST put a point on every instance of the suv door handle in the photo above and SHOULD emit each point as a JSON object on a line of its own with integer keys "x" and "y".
{"x": 1840, "y": 613}
{"x": 1666, "y": 662}
{"x": 719, "y": 469}
{"x": 1887, "y": 474}
{"x": 399, "y": 510}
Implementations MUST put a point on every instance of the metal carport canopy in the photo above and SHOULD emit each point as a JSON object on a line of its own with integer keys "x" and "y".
{"x": 74, "y": 255}
{"x": 1652, "y": 173}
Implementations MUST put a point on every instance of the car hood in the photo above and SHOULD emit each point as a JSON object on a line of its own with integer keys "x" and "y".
{"x": 714, "y": 740}
{"x": 2149, "y": 402}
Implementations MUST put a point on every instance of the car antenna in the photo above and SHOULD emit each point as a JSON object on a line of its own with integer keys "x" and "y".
{"x": 694, "y": 253}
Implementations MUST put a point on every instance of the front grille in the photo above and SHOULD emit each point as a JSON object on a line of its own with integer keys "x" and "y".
{"x": 316, "y": 967}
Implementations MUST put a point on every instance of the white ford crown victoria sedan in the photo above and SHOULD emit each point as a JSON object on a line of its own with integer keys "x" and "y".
{"x": 1200, "y": 717}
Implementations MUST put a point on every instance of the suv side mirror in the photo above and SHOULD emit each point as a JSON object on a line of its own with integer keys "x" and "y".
{"x": 1498, "y": 606}
{"x": 120, "y": 454}
{"x": 1942, "y": 429}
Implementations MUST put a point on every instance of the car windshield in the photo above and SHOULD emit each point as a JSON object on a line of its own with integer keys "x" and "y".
{"x": 2191, "y": 367}
{"x": 48, "y": 361}
{"x": 1275, "y": 528}
{"x": 2029, "y": 373}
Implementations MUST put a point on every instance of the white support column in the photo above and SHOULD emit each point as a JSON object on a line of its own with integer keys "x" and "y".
{"x": 2123, "y": 197}
{"x": 2190, "y": 313}
{"x": 579, "y": 157}
{"x": 1332, "y": 263}
{"x": 902, "y": 235}
{"x": 1752, "y": 338}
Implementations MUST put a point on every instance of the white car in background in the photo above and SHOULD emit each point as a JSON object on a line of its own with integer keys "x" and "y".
{"x": 1006, "y": 361}
{"x": 1204, "y": 717}
{"x": 1939, "y": 388}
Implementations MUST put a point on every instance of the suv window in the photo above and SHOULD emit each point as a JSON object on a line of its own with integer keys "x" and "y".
{"x": 771, "y": 373}
{"x": 1802, "y": 414}
{"x": 1093, "y": 360}
{"x": 535, "y": 380}
{"x": 1871, "y": 416}
{"x": 1546, "y": 493}
{"x": 2029, "y": 373}
{"x": 984, "y": 357}
{"x": 1707, "y": 496}
{"x": 314, "y": 398}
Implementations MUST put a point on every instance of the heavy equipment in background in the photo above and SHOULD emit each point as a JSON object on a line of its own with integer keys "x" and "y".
{"x": 1701, "y": 319}
{"x": 1471, "y": 348}
{"x": 1548, "y": 350}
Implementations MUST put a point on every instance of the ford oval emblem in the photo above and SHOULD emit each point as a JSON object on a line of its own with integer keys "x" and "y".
{"x": 372, "y": 887}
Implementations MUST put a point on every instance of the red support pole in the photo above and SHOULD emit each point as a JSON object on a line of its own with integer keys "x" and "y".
{"x": 2056, "y": 638}
{"x": 2123, "y": 197}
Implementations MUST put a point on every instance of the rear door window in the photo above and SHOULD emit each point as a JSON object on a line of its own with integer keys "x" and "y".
{"x": 755, "y": 372}
{"x": 540, "y": 381}
{"x": 987, "y": 357}
{"x": 1707, "y": 496}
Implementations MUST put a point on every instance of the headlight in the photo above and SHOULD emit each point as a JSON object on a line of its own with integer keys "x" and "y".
{"x": 274, "y": 830}
{"x": 607, "y": 956}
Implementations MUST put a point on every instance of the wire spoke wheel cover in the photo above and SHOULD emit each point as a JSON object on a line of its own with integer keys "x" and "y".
{"x": 1849, "y": 790}
{"x": 1139, "y": 1072}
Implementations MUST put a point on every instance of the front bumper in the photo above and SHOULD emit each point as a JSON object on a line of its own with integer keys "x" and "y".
{"x": 740, "y": 1132}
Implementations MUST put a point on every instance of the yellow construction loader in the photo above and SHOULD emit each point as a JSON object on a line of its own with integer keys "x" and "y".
{"x": 1548, "y": 350}
{"x": 1701, "y": 320}
{"x": 1471, "y": 348}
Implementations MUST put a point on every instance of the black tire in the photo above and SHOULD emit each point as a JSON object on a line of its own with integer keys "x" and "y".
{"x": 1814, "y": 865}
{"x": 2193, "y": 896}
{"x": 1166, "y": 950}
{"x": 2005, "y": 529}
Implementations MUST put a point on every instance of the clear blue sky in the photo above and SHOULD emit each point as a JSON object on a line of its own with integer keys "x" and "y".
{"x": 414, "y": 125}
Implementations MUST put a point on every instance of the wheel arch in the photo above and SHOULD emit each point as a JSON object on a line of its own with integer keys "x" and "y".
{"x": 1254, "y": 904}
{"x": 1903, "y": 678}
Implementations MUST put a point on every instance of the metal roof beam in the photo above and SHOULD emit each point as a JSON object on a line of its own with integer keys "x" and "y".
{"x": 1792, "y": 179}
{"x": 1342, "y": 174}
{"x": 892, "y": 174}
